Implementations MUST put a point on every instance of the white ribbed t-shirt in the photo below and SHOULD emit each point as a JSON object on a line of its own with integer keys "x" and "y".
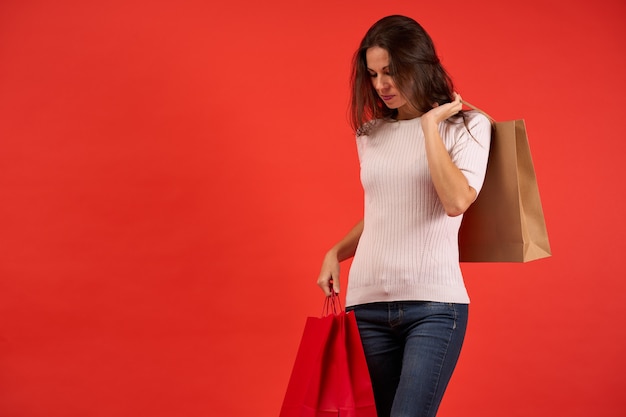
{"x": 409, "y": 246}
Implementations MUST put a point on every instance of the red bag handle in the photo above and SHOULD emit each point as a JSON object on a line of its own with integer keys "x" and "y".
{"x": 332, "y": 305}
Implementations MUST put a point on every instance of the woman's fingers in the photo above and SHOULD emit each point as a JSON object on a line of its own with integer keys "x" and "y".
{"x": 335, "y": 285}
{"x": 329, "y": 282}
{"x": 447, "y": 110}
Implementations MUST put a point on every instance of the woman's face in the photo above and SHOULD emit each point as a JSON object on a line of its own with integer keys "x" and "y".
{"x": 377, "y": 60}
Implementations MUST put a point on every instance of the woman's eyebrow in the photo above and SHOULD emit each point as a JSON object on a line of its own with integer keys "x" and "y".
{"x": 384, "y": 68}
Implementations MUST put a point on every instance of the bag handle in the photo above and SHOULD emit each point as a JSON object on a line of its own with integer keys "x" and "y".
{"x": 471, "y": 106}
{"x": 332, "y": 305}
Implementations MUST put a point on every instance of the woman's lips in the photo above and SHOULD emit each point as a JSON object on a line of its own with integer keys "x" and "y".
{"x": 386, "y": 98}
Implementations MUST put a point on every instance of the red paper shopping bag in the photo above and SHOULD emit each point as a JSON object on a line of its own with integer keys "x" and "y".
{"x": 330, "y": 376}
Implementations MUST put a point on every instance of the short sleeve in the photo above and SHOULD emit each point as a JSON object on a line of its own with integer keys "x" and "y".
{"x": 470, "y": 151}
{"x": 360, "y": 144}
{"x": 362, "y": 137}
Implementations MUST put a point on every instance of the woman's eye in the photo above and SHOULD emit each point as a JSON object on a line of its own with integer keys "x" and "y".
{"x": 372, "y": 75}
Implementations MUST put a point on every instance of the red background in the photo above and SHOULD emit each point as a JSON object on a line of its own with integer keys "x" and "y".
{"x": 171, "y": 174}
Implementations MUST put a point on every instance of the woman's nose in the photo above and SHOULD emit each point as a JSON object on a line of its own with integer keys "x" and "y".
{"x": 380, "y": 83}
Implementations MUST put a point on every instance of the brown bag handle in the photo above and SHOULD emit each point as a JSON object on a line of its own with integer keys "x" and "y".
{"x": 471, "y": 106}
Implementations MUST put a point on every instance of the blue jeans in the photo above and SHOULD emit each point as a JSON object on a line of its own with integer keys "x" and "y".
{"x": 411, "y": 349}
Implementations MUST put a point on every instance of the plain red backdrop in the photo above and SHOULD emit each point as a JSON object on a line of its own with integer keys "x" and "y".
{"x": 171, "y": 174}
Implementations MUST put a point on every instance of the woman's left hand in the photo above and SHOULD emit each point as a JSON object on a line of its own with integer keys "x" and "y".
{"x": 439, "y": 113}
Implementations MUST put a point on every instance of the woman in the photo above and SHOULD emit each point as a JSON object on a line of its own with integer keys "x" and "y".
{"x": 423, "y": 163}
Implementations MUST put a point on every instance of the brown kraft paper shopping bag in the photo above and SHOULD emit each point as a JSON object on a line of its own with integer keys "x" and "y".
{"x": 506, "y": 222}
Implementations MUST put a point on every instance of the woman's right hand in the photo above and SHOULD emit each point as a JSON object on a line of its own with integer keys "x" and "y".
{"x": 346, "y": 248}
{"x": 329, "y": 274}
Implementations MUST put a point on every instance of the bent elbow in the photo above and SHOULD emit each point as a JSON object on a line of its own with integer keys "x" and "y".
{"x": 461, "y": 203}
{"x": 454, "y": 212}
{"x": 458, "y": 208}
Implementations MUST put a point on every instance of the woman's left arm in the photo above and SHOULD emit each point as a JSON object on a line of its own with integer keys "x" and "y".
{"x": 452, "y": 187}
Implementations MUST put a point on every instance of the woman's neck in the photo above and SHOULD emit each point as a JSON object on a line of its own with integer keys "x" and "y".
{"x": 407, "y": 112}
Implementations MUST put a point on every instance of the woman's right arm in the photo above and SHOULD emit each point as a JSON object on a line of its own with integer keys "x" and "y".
{"x": 344, "y": 249}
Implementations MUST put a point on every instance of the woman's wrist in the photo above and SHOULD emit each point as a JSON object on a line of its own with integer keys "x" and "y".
{"x": 332, "y": 254}
{"x": 429, "y": 125}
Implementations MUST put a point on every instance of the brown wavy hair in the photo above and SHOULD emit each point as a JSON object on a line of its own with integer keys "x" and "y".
{"x": 413, "y": 65}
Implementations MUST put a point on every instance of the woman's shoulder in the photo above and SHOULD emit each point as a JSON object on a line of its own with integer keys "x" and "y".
{"x": 476, "y": 119}
{"x": 369, "y": 127}
{"x": 470, "y": 124}
{"x": 477, "y": 126}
